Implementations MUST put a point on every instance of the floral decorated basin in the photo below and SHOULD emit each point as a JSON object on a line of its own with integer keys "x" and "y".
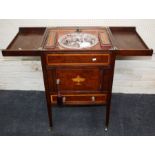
{"x": 77, "y": 40}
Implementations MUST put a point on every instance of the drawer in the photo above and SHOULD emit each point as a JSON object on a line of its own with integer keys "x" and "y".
{"x": 81, "y": 99}
{"x": 78, "y": 59}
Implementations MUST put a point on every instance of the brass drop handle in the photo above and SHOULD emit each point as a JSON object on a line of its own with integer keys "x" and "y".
{"x": 57, "y": 81}
{"x": 93, "y": 98}
{"x": 64, "y": 99}
{"x": 94, "y": 59}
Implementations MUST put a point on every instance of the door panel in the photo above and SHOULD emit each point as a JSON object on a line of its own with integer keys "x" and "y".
{"x": 78, "y": 79}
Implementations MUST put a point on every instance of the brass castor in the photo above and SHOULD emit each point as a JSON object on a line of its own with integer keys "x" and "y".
{"x": 106, "y": 129}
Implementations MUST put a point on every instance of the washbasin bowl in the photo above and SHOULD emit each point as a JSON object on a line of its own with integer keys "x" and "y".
{"x": 77, "y": 40}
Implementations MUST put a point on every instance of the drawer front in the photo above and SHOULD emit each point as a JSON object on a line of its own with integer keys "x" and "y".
{"x": 81, "y": 99}
{"x": 78, "y": 59}
{"x": 79, "y": 79}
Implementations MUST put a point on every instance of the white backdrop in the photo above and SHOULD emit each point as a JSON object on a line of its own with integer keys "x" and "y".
{"x": 131, "y": 76}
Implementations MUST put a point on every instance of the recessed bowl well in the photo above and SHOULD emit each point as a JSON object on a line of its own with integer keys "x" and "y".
{"x": 78, "y": 40}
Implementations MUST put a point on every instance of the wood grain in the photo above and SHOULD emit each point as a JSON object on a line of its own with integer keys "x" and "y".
{"x": 130, "y": 76}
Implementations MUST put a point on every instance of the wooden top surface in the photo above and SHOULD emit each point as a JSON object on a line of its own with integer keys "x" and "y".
{"x": 32, "y": 41}
{"x": 56, "y": 33}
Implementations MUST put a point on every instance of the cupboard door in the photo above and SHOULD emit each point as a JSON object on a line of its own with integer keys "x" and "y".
{"x": 79, "y": 79}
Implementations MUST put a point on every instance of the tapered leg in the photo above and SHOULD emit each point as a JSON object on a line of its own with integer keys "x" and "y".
{"x": 107, "y": 116}
{"x": 108, "y": 107}
{"x": 46, "y": 84}
{"x": 49, "y": 109}
{"x": 50, "y": 115}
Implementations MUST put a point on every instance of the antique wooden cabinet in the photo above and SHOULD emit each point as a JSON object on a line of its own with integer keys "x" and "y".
{"x": 78, "y": 62}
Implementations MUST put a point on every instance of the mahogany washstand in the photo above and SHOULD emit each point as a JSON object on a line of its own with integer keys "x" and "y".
{"x": 78, "y": 76}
